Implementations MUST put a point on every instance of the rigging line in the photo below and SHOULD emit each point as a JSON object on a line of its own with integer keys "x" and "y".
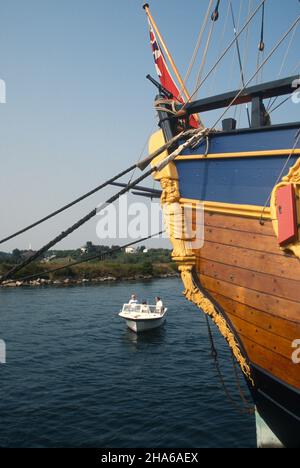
{"x": 203, "y": 62}
{"x": 214, "y": 19}
{"x": 261, "y": 46}
{"x": 198, "y": 45}
{"x": 296, "y": 68}
{"x": 239, "y": 58}
{"x": 73, "y": 228}
{"x": 99, "y": 257}
{"x": 232, "y": 70}
{"x": 287, "y": 51}
{"x": 297, "y": 139}
{"x": 142, "y": 152}
{"x": 257, "y": 71}
{"x": 196, "y": 134}
{"x": 220, "y": 47}
{"x": 69, "y": 205}
{"x": 226, "y": 51}
{"x": 246, "y": 51}
{"x": 215, "y": 357}
{"x": 92, "y": 192}
{"x": 273, "y": 109}
{"x": 271, "y": 104}
{"x": 247, "y": 405}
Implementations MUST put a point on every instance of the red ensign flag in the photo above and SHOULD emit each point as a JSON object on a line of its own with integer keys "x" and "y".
{"x": 164, "y": 74}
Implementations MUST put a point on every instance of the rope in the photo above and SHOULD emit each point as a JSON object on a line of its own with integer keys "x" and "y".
{"x": 271, "y": 103}
{"x": 88, "y": 259}
{"x": 239, "y": 58}
{"x": 198, "y": 45}
{"x": 273, "y": 109}
{"x": 214, "y": 18}
{"x": 196, "y": 136}
{"x": 257, "y": 71}
{"x": 297, "y": 139}
{"x": 139, "y": 164}
{"x": 232, "y": 71}
{"x": 69, "y": 205}
{"x": 246, "y": 51}
{"x": 296, "y": 68}
{"x": 142, "y": 152}
{"x": 213, "y": 80}
{"x": 198, "y": 80}
{"x": 214, "y": 354}
{"x": 226, "y": 51}
{"x": 288, "y": 50}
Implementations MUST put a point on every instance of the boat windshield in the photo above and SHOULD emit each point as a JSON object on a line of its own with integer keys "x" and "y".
{"x": 141, "y": 308}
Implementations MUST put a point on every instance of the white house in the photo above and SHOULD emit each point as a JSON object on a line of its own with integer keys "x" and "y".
{"x": 130, "y": 250}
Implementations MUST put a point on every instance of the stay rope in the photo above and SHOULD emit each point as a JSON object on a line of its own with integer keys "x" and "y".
{"x": 246, "y": 409}
{"x": 196, "y": 136}
{"x": 99, "y": 256}
{"x": 198, "y": 44}
{"x": 139, "y": 164}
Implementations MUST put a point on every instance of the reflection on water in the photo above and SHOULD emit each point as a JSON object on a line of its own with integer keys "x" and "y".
{"x": 147, "y": 338}
{"x": 73, "y": 369}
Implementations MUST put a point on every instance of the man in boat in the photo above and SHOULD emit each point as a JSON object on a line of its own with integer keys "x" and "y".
{"x": 133, "y": 300}
{"x": 159, "y": 304}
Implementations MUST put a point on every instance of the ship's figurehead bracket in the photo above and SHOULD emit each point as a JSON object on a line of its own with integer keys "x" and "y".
{"x": 184, "y": 255}
{"x": 285, "y": 211}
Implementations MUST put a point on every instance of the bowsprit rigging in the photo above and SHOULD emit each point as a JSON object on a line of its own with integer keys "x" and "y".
{"x": 196, "y": 136}
{"x": 141, "y": 165}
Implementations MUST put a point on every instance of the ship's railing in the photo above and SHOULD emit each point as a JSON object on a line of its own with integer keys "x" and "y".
{"x": 142, "y": 308}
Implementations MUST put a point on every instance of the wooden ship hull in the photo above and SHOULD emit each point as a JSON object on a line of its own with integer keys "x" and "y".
{"x": 246, "y": 273}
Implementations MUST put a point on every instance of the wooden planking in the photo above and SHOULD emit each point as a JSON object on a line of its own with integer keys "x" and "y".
{"x": 274, "y": 305}
{"x": 281, "y": 287}
{"x": 274, "y": 324}
{"x": 238, "y": 223}
{"x": 244, "y": 240}
{"x": 276, "y": 344}
{"x": 282, "y": 368}
{"x": 275, "y": 265}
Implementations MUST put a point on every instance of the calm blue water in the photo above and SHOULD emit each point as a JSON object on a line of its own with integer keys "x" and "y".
{"x": 75, "y": 376}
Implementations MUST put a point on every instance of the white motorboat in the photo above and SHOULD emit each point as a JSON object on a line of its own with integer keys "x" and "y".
{"x": 142, "y": 317}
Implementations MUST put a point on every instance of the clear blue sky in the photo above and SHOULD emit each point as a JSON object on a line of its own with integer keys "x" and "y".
{"x": 78, "y": 106}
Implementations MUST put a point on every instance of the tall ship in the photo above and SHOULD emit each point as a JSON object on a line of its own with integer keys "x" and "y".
{"x": 242, "y": 186}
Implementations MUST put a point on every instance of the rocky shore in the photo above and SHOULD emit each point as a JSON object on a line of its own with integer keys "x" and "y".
{"x": 41, "y": 282}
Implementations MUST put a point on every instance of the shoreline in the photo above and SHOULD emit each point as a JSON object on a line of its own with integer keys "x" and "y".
{"x": 67, "y": 282}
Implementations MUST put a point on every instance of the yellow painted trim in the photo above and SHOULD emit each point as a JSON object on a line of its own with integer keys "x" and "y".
{"x": 247, "y": 154}
{"x": 248, "y": 211}
{"x": 169, "y": 172}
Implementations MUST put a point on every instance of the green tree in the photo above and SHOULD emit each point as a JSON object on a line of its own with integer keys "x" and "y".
{"x": 147, "y": 268}
{"x": 90, "y": 247}
{"x": 17, "y": 255}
